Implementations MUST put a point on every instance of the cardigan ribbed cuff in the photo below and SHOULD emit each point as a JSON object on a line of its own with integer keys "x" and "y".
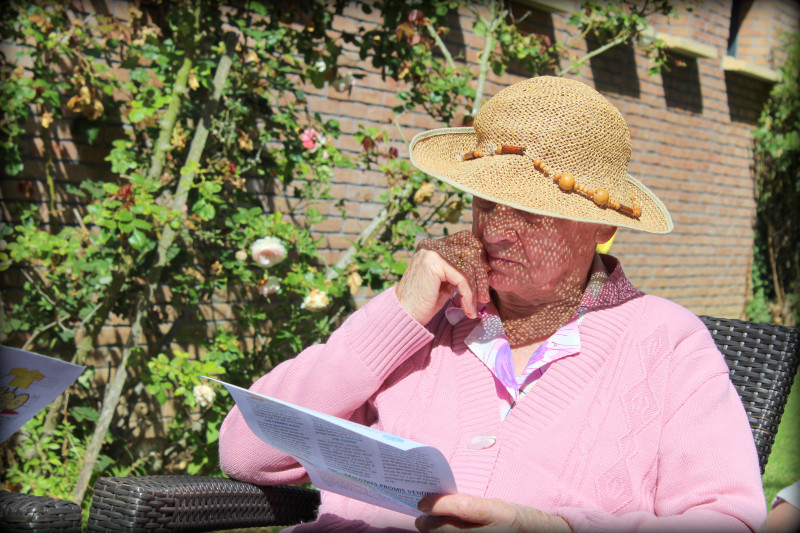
{"x": 386, "y": 335}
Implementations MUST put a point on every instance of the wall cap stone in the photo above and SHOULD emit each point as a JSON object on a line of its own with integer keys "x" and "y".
{"x": 683, "y": 46}
{"x": 751, "y": 70}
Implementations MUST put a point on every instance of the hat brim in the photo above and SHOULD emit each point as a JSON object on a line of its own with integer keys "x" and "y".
{"x": 439, "y": 153}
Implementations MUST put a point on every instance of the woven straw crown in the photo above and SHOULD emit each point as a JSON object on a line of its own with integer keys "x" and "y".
{"x": 566, "y": 124}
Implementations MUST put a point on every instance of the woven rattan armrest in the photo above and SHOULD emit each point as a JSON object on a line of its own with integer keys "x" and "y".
{"x": 25, "y": 512}
{"x": 189, "y": 503}
{"x": 762, "y": 359}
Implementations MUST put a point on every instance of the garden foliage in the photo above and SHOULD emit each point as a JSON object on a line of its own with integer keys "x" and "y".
{"x": 218, "y": 175}
{"x": 776, "y": 149}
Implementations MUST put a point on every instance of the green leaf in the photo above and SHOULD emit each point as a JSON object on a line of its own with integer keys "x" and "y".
{"x": 142, "y": 224}
{"x": 138, "y": 114}
{"x": 13, "y": 169}
{"x": 74, "y": 191}
{"x": 192, "y": 167}
{"x": 91, "y": 134}
{"x": 103, "y": 462}
{"x": 258, "y": 8}
{"x": 211, "y": 187}
{"x": 204, "y": 209}
{"x": 83, "y": 412}
{"x": 498, "y": 68}
{"x": 129, "y": 62}
{"x": 137, "y": 240}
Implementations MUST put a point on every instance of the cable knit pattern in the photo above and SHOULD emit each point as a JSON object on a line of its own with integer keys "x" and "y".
{"x": 640, "y": 431}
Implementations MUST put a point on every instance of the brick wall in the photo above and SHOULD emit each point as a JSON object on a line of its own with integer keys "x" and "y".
{"x": 764, "y": 22}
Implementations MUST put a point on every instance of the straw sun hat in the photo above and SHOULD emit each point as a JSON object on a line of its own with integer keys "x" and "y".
{"x": 546, "y": 145}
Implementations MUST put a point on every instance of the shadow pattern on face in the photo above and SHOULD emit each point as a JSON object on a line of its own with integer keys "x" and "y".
{"x": 538, "y": 267}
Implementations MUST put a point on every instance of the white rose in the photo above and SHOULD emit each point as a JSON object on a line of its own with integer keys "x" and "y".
{"x": 315, "y": 301}
{"x": 241, "y": 255}
{"x": 203, "y": 394}
{"x": 268, "y": 251}
{"x": 269, "y": 286}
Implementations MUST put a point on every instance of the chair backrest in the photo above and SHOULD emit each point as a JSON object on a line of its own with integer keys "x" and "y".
{"x": 763, "y": 361}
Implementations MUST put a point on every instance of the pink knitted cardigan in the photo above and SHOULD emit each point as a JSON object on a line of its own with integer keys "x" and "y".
{"x": 640, "y": 431}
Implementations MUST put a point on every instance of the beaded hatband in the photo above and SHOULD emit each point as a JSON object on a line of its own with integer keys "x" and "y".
{"x": 564, "y": 180}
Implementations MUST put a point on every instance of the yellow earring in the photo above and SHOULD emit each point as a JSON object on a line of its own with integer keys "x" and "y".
{"x": 606, "y": 246}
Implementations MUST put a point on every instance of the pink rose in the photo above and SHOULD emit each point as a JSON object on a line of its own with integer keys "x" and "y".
{"x": 311, "y": 139}
{"x": 416, "y": 16}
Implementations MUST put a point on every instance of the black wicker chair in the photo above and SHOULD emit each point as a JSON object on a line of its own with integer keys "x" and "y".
{"x": 28, "y": 513}
{"x": 762, "y": 359}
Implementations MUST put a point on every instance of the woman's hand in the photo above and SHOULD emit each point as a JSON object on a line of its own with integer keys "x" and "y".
{"x": 461, "y": 512}
{"x": 439, "y": 267}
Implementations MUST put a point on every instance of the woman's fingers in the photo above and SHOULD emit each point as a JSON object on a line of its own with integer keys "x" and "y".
{"x": 465, "y": 508}
{"x": 464, "y": 252}
{"x": 442, "y": 524}
{"x": 468, "y": 294}
{"x": 428, "y": 282}
{"x": 462, "y": 512}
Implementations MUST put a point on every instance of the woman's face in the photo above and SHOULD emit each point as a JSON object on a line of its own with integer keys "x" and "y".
{"x": 533, "y": 255}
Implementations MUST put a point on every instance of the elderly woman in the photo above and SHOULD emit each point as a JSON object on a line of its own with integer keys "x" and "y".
{"x": 563, "y": 398}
